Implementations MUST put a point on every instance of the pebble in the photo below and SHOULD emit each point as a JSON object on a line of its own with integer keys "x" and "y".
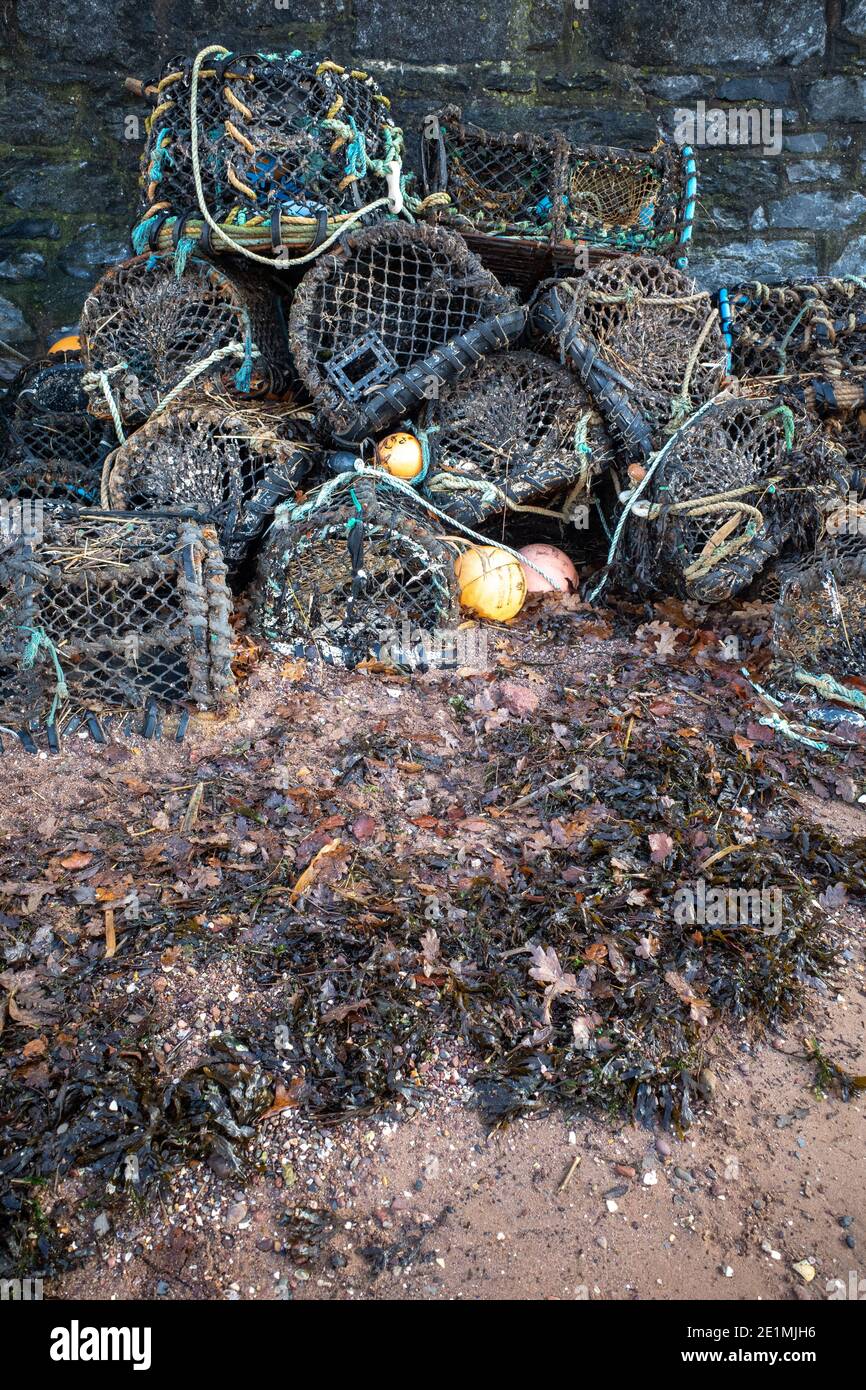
{"x": 650, "y": 1179}
{"x": 846, "y": 1221}
{"x": 663, "y": 1147}
{"x": 684, "y": 1174}
{"x": 805, "y": 1270}
{"x": 624, "y": 1170}
{"x": 619, "y": 1191}
{"x": 850, "y": 1242}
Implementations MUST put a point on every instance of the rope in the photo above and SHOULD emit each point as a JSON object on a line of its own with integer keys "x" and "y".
{"x": 235, "y": 245}
{"x": 680, "y": 404}
{"x": 632, "y": 499}
{"x": 39, "y": 638}
{"x": 90, "y": 380}
{"x": 341, "y": 480}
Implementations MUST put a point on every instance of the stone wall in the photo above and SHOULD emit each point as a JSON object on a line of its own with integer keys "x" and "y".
{"x": 601, "y": 70}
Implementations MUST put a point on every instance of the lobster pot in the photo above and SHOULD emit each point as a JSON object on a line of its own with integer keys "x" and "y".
{"x": 733, "y": 486}
{"x": 358, "y": 572}
{"x": 632, "y": 200}
{"x": 147, "y": 328}
{"x": 50, "y": 447}
{"x": 380, "y": 325}
{"x": 297, "y": 141}
{"x": 531, "y": 188}
{"x": 225, "y": 461}
{"x": 645, "y": 326}
{"x": 814, "y": 327}
{"x": 519, "y": 433}
{"x": 105, "y": 610}
{"x": 819, "y": 622}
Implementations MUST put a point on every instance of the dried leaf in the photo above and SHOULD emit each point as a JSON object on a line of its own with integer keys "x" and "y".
{"x": 325, "y": 867}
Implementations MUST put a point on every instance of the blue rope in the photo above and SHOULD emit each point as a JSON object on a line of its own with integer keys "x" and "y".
{"x": 141, "y": 235}
{"x": 356, "y": 152}
{"x": 244, "y": 373}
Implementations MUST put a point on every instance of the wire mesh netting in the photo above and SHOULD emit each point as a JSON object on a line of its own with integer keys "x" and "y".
{"x": 105, "y": 610}
{"x": 543, "y": 187}
{"x": 359, "y": 572}
{"x": 814, "y": 326}
{"x": 519, "y": 433}
{"x": 50, "y": 447}
{"x": 147, "y": 329}
{"x": 732, "y": 486}
{"x": 656, "y": 333}
{"x": 231, "y": 461}
{"x": 819, "y": 625}
{"x": 292, "y": 135}
{"x": 397, "y": 297}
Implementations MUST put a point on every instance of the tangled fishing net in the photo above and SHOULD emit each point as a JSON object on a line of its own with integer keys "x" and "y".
{"x": 381, "y": 324}
{"x": 359, "y": 571}
{"x": 520, "y": 433}
{"x": 819, "y": 622}
{"x": 290, "y": 148}
{"x": 643, "y": 338}
{"x": 536, "y": 188}
{"x": 147, "y": 331}
{"x": 50, "y": 447}
{"x": 112, "y": 610}
{"x": 730, "y": 488}
{"x": 225, "y": 462}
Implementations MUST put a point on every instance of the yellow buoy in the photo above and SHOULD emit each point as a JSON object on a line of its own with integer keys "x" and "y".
{"x": 400, "y": 455}
{"x": 69, "y": 344}
{"x": 492, "y": 583}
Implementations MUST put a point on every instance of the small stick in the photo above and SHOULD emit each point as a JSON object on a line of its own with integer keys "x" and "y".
{"x": 570, "y": 1174}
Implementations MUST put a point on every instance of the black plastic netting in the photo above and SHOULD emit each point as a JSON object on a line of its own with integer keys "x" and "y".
{"x": 531, "y": 186}
{"x": 654, "y": 331}
{"x": 147, "y": 328}
{"x": 819, "y": 622}
{"x": 101, "y": 610}
{"x": 50, "y": 447}
{"x": 732, "y": 486}
{"x": 394, "y": 298}
{"x": 295, "y": 131}
{"x": 519, "y": 432}
{"x": 230, "y": 461}
{"x": 816, "y": 326}
{"x": 360, "y": 572}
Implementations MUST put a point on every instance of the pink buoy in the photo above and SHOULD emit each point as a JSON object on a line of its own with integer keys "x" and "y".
{"x": 555, "y": 563}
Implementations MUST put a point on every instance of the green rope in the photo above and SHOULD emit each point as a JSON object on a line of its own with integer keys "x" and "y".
{"x": 39, "y": 638}
{"x": 787, "y": 415}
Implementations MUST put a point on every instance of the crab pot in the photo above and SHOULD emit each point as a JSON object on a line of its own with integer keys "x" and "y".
{"x": 733, "y": 486}
{"x": 232, "y": 462}
{"x": 632, "y": 200}
{"x": 359, "y": 572}
{"x": 379, "y": 325}
{"x": 108, "y": 610}
{"x": 816, "y": 326}
{"x": 650, "y": 329}
{"x": 147, "y": 328}
{"x": 50, "y": 447}
{"x": 296, "y": 140}
{"x": 533, "y": 189}
{"x": 819, "y": 622}
{"x": 519, "y": 434}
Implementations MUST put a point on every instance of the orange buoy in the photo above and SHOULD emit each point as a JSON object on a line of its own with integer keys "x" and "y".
{"x": 555, "y": 563}
{"x": 72, "y": 343}
{"x": 492, "y": 582}
{"x": 401, "y": 455}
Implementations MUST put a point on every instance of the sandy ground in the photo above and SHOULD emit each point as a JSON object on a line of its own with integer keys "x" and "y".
{"x": 422, "y": 1204}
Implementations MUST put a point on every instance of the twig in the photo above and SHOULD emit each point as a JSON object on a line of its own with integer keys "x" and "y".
{"x": 570, "y": 1174}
